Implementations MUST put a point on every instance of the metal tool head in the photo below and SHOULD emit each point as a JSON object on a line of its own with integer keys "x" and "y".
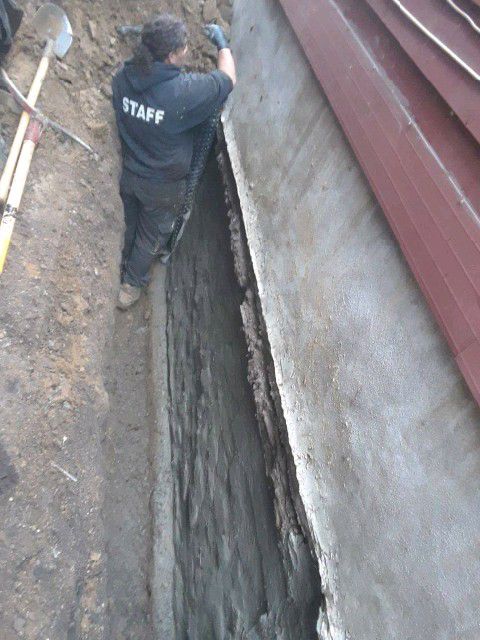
{"x": 52, "y": 24}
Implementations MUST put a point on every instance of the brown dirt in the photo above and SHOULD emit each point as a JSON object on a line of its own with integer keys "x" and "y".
{"x": 56, "y": 323}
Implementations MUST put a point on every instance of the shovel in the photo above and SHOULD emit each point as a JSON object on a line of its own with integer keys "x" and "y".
{"x": 53, "y": 26}
{"x": 52, "y": 23}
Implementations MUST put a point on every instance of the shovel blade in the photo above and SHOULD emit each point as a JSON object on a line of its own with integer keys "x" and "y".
{"x": 63, "y": 44}
{"x": 52, "y": 23}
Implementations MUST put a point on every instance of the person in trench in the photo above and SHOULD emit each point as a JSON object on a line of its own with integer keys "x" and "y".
{"x": 157, "y": 108}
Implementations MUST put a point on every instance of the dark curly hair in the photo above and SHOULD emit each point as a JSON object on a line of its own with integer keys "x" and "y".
{"x": 160, "y": 37}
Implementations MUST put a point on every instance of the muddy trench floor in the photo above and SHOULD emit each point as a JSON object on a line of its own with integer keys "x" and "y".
{"x": 74, "y": 444}
{"x": 127, "y": 515}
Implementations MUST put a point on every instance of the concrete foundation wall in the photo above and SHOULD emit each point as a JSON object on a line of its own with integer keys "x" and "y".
{"x": 384, "y": 434}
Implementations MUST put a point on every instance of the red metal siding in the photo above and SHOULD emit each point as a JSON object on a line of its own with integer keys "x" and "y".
{"x": 424, "y": 200}
{"x": 460, "y": 90}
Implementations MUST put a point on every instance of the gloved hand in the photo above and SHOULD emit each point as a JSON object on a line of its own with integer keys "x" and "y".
{"x": 216, "y": 35}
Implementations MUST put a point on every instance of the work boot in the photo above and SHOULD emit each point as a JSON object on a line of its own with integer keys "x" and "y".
{"x": 128, "y": 296}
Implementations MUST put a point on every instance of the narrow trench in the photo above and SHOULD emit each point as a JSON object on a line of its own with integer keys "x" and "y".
{"x": 241, "y": 560}
{"x": 127, "y": 514}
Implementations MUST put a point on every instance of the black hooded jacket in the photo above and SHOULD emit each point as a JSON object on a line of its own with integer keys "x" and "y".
{"x": 156, "y": 113}
{"x": 10, "y": 18}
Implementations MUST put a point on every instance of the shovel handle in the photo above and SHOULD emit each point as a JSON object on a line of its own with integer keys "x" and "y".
{"x": 32, "y": 137}
{"x": 16, "y": 148}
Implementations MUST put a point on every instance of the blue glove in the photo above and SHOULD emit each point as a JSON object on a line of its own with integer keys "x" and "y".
{"x": 216, "y": 35}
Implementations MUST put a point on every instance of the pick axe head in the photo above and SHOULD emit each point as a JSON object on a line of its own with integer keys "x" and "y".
{"x": 51, "y": 24}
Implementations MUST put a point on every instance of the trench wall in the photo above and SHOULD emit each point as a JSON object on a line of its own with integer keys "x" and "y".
{"x": 241, "y": 570}
{"x": 384, "y": 434}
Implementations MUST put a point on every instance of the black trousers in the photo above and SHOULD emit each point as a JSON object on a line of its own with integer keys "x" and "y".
{"x": 150, "y": 208}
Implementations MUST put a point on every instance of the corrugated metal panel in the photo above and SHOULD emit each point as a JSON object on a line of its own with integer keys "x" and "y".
{"x": 458, "y": 89}
{"x": 436, "y": 226}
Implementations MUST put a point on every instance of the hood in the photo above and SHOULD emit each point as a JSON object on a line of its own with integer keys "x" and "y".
{"x": 160, "y": 72}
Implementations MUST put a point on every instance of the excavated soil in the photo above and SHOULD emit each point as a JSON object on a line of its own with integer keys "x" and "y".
{"x": 73, "y": 504}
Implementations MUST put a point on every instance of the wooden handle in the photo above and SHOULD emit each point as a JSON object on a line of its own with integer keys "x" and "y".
{"x": 6, "y": 230}
{"x": 21, "y": 174}
{"x": 32, "y": 98}
{"x": 18, "y": 187}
